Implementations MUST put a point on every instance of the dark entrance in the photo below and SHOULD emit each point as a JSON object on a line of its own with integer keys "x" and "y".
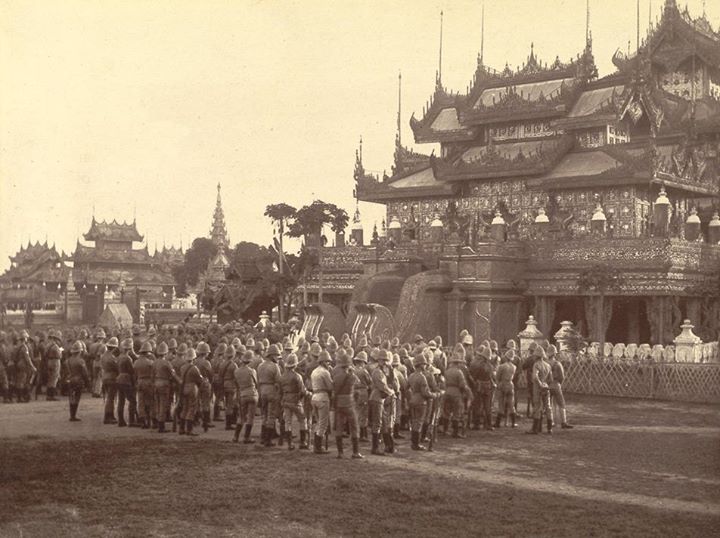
{"x": 569, "y": 309}
{"x": 629, "y": 323}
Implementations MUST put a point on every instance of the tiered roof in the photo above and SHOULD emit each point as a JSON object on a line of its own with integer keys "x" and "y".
{"x": 112, "y": 231}
{"x": 37, "y": 263}
{"x": 218, "y": 231}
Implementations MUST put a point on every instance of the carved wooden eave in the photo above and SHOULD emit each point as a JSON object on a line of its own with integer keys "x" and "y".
{"x": 440, "y": 100}
{"x": 384, "y": 193}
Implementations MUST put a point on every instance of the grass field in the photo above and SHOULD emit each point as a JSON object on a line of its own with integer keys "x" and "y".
{"x": 630, "y": 468}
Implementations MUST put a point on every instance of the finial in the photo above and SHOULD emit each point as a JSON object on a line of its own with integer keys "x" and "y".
{"x": 399, "y": 114}
{"x": 439, "y": 74}
{"x": 587, "y": 23}
{"x": 482, "y": 35}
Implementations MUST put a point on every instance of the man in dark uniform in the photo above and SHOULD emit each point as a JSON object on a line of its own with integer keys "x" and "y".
{"x": 420, "y": 398}
{"x": 203, "y": 364}
{"x": 108, "y": 363}
{"x": 143, "y": 368}
{"x": 247, "y": 388}
{"x": 53, "y": 354}
{"x": 164, "y": 377}
{"x": 344, "y": 381}
{"x": 126, "y": 385}
{"x": 483, "y": 373}
{"x": 268, "y": 374}
{"x": 190, "y": 382}
{"x": 24, "y": 367}
{"x": 78, "y": 378}
{"x": 292, "y": 395}
{"x": 227, "y": 378}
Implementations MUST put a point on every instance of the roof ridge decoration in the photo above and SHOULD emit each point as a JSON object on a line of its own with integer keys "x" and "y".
{"x": 112, "y": 231}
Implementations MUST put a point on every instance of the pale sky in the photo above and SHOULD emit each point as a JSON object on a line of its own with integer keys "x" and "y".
{"x": 143, "y": 106}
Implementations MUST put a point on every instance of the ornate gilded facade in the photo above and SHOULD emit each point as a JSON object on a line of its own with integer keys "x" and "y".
{"x": 547, "y": 171}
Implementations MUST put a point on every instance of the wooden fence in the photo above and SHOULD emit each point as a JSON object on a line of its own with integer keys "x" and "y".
{"x": 662, "y": 381}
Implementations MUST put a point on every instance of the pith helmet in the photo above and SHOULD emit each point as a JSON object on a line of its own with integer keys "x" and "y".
{"x": 385, "y": 356}
{"x": 162, "y": 349}
{"x": 324, "y": 356}
{"x": 342, "y": 358}
{"x": 511, "y": 344}
{"x": 190, "y": 354}
{"x": 377, "y": 341}
{"x": 362, "y": 357}
{"x": 172, "y": 344}
{"x": 77, "y": 347}
{"x": 230, "y": 352}
{"x": 362, "y": 342}
{"x": 236, "y": 343}
{"x": 403, "y": 353}
{"x": 272, "y": 351}
{"x": 146, "y": 347}
{"x": 395, "y": 342}
{"x": 152, "y": 331}
{"x": 395, "y": 359}
{"x": 100, "y": 333}
{"x": 509, "y": 355}
{"x": 182, "y": 349}
{"x": 428, "y": 354}
{"x": 291, "y": 361}
{"x": 315, "y": 349}
{"x": 113, "y": 342}
{"x": 432, "y": 344}
{"x": 419, "y": 361}
{"x": 248, "y": 356}
{"x": 483, "y": 352}
{"x": 467, "y": 340}
{"x": 458, "y": 354}
{"x": 287, "y": 345}
{"x": 127, "y": 344}
{"x": 220, "y": 350}
{"x": 332, "y": 344}
{"x": 250, "y": 342}
{"x": 418, "y": 338}
{"x": 203, "y": 348}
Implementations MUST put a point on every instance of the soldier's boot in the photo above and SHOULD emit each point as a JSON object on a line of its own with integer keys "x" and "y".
{"x": 363, "y": 435}
{"x": 443, "y": 426}
{"x": 527, "y": 410}
{"x": 319, "y": 448}
{"x": 389, "y": 443}
{"x": 206, "y": 421}
{"x": 340, "y": 447}
{"x": 190, "y": 429}
{"x": 549, "y": 426}
{"x": 497, "y": 420}
{"x": 281, "y": 437}
{"x": 304, "y": 440}
{"x": 269, "y": 430}
{"x": 246, "y": 439}
{"x": 376, "y": 445}
{"x": 182, "y": 427}
{"x": 144, "y": 423}
{"x": 455, "y": 426}
{"x": 161, "y": 426}
{"x": 121, "y": 420}
{"x": 175, "y": 422}
{"x": 51, "y": 395}
{"x": 228, "y": 422}
{"x": 134, "y": 420}
{"x": 236, "y": 435}
{"x": 288, "y": 436}
{"x": 414, "y": 440}
{"x": 216, "y": 413}
{"x": 513, "y": 419}
{"x": 356, "y": 449}
{"x": 396, "y": 432}
{"x": 73, "y": 413}
{"x": 422, "y": 435}
{"x": 535, "y": 427}
{"x": 565, "y": 425}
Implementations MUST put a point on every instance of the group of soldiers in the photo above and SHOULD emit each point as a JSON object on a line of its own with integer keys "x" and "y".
{"x": 370, "y": 390}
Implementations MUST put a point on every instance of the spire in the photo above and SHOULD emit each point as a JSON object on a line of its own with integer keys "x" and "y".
{"x": 587, "y": 23}
{"x": 399, "y": 114}
{"x": 637, "y": 42}
{"x": 218, "y": 232}
{"x": 439, "y": 73}
{"x": 482, "y": 35}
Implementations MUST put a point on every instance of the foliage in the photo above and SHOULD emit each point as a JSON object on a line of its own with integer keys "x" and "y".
{"x": 311, "y": 218}
{"x": 280, "y": 212}
{"x": 196, "y": 261}
{"x": 601, "y": 278}
{"x": 246, "y": 251}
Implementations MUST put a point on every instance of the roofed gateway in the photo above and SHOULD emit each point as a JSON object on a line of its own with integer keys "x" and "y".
{"x": 543, "y": 173}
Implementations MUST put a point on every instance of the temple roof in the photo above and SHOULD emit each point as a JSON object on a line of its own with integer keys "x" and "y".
{"x": 136, "y": 277}
{"x": 85, "y": 254}
{"x": 32, "y": 251}
{"x": 37, "y": 263}
{"x": 112, "y": 231}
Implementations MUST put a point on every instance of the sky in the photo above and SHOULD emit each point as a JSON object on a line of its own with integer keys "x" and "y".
{"x": 139, "y": 108}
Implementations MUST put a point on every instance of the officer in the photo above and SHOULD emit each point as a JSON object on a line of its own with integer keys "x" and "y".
{"x": 556, "y": 392}
{"x": 143, "y": 368}
{"x": 53, "y": 355}
{"x": 482, "y": 372}
{"x": 292, "y": 394}
{"x": 379, "y": 393}
{"x": 505, "y": 374}
{"x": 24, "y": 367}
{"x": 109, "y": 366}
{"x": 125, "y": 385}
{"x": 344, "y": 382}
{"x": 268, "y": 374}
{"x": 247, "y": 389}
{"x": 190, "y": 382}
{"x": 362, "y": 393}
{"x": 322, "y": 388}
{"x": 227, "y": 377}
{"x": 456, "y": 389}
{"x": 420, "y": 398}
{"x": 78, "y": 378}
{"x": 164, "y": 377}
{"x": 541, "y": 379}
{"x": 203, "y": 364}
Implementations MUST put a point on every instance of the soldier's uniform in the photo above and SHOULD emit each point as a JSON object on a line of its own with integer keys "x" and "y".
{"x": 108, "y": 363}
{"x": 362, "y": 393}
{"x": 556, "y": 392}
{"x": 95, "y": 352}
{"x": 143, "y": 368}
{"x": 401, "y": 404}
{"x": 541, "y": 379}
{"x": 24, "y": 368}
{"x": 457, "y": 389}
{"x": 268, "y": 374}
{"x": 53, "y": 355}
{"x": 205, "y": 367}
{"x": 247, "y": 388}
{"x": 164, "y": 377}
{"x": 505, "y": 374}
{"x": 126, "y": 387}
{"x": 420, "y": 399}
{"x": 217, "y": 384}
{"x": 433, "y": 407}
{"x": 292, "y": 394}
{"x": 380, "y": 392}
{"x": 344, "y": 381}
{"x": 78, "y": 379}
{"x": 483, "y": 373}
{"x": 227, "y": 377}
{"x": 191, "y": 380}
{"x": 322, "y": 387}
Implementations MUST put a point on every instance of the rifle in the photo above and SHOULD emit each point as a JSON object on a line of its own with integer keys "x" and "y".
{"x": 434, "y": 419}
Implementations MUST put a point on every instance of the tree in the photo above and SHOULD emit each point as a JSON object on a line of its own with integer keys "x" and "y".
{"x": 601, "y": 279}
{"x": 280, "y": 214}
{"x": 246, "y": 251}
{"x": 196, "y": 261}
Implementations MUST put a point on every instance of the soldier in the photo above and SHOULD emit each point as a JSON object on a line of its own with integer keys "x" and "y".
{"x": 190, "y": 382}
{"x": 344, "y": 381}
{"x": 556, "y": 392}
{"x": 482, "y": 372}
{"x": 420, "y": 397}
{"x": 439, "y": 356}
{"x": 247, "y": 389}
{"x": 433, "y": 408}
{"x": 125, "y": 384}
{"x": 95, "y": 353}
{"x": 53, "y": 355}
{"x": 381, "y": 391}
{"x": 268, "y": 374}
{"x": 322, "y": 388}
{"x": 362, "y": 393}
{"x": 143, "y": 368}
{"x": 541, "y": 378}
{"x": 292, "y": 394}
{"x": 25, "y": 370}
{"x": 164, "y": 376}
{"x": 78, "y": 378}
{"x": 506, "y": 390}
{"x": 456, "y": 389}
{"x": 527, "y": 366}
{"x": 401, "y": 408}
{"x": 227, "y": 377}
{"x": 217, "y": 384}
{"x": 109, "y": 366}
{"x": 203, "y": 364}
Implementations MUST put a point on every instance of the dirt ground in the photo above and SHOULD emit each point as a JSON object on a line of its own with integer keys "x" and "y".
{"x": 629, "y": 468}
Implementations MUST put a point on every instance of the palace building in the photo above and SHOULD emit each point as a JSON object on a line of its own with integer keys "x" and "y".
{"x": 554, "y": 193}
